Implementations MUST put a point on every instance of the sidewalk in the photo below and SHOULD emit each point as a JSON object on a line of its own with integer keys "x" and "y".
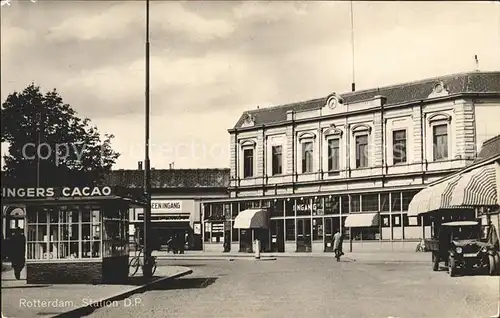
{"x": 60, "y": 300}
{"x": 412, "y": 257}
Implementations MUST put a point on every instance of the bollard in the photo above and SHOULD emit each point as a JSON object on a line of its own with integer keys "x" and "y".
{"x": 257, "y": 249}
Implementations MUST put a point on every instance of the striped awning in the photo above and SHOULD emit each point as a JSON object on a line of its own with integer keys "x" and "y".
{"x": 251, "y": 219}
{"x": 362, "y": 220}
{"x": 435, "y": 197}
{"x": 420, "y": 202}
{"x": 441, "y": 194}
{"x": 477, "y": 187}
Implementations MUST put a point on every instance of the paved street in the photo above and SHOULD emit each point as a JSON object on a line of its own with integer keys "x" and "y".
{"x": 313, "y": 287}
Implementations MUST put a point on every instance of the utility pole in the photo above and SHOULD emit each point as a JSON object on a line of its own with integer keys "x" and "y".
{"x": 147, "y": 268}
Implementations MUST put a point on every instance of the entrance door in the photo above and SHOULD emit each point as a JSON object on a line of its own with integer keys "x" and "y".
{"x": 304, "y": 235}
{"x": 332, "y": 225}
{"x": 329, "y": 234}
{"x": 246, "y": 241}
{"x": 277, "y": 236}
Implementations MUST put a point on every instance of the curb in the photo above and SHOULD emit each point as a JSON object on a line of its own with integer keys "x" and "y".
{"x": 215, "y": 258}
{"x": 88, "y": 309}
{"x": 274, "y": 257}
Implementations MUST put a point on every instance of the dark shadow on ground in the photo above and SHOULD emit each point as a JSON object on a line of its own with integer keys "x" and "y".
{"x": 22, "y": 286}
{"x": 183, "y": 283}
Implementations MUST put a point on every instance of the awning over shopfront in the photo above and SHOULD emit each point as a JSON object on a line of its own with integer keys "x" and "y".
{"x": 477, "y": 187}
{"x": 440, "y": 194}
{"x": 420, "y": 202}
{"x": 251, "y": 219}
{"x": 435, "y": 197}
{"x": 362, "y": 220}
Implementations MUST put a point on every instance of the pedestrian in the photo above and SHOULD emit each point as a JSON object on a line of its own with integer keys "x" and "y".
{"x": 337, "y": 245}
{"x": 17, "y": 252}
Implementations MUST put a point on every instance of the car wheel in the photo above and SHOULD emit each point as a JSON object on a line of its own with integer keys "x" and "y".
{"x": 452, "y": 267}
{"x": 491, "y": 266}
{"x": 435, "y": 262}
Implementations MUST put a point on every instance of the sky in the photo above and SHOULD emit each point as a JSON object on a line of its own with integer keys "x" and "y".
{"x": 211, "y": 61}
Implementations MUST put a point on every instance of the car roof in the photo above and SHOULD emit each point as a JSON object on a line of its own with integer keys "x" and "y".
{"x": 460, "y": 223}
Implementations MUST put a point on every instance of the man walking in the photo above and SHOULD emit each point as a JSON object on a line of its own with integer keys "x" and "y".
{"x": 337, "y": 245}
{"x": 17, "y": 252}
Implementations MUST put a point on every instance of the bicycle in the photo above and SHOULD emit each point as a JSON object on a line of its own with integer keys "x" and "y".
{"x": 421, "y": 247}
{"x": 138, "y": 261}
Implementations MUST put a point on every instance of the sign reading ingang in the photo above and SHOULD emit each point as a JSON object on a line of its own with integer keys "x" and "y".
{"x": 168, "y": 206}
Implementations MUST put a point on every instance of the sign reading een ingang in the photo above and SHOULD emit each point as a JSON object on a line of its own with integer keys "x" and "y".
{"x": 172, "y": 206}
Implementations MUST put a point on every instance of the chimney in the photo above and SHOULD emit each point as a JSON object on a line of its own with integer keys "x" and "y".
{"x": 353, "y": 87}
{"x": 139, "y": 165}
{"x": 477, "y": 63}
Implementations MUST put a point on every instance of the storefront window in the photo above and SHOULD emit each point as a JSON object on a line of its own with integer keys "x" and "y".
{"x": 217, "y": 232}
{"x": 385, "y": 220}
{"x": 63, "y": 233}
{"x": 332, "y": 205}
{"x": 344, "y": 202}
{"x": 396, "y": 201}
{"x": 317, "y": 207}
{"x": 355, "y": 203}
{"x": 365, "y": 234}
{"x": 290, "y": 230}
{"x": 207, "y": 211}
{"x": 317, "y": 229}
{"x": 303, "y": 207}
{"x": 217, "y": 212}
{"x": 235, "y": 210}
{"x": 277, "y": 208}
{"x": 384, "y": 202}
{"x": 245, "y": 205}
{"x": 114, "y": 238}
{"x": 236, "y": 233}
{"x": 290, "y": 207}
{"x": 369, "y": 202}
{"x": 407, "y": 197}
{"x": 345, "y": 229}
{"x": 396, "y": 221}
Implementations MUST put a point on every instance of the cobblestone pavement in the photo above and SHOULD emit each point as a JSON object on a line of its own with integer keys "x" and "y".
{"x": 313, "y": 287}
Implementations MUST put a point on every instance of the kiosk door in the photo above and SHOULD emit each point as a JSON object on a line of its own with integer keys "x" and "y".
{"x": 277, "y": 236}
{"x": 304, "y": 235}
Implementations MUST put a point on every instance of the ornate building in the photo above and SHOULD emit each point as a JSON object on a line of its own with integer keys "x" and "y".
{"x": 353, "y": 162}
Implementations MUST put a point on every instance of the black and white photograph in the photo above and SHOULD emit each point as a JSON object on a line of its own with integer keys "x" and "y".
{"x": 333, "y": 159}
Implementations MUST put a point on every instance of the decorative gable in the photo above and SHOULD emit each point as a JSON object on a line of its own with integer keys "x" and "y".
{"x": 249, "y": 120}
{"x": 332, "y": 131}
{"x": 439, "y": 90}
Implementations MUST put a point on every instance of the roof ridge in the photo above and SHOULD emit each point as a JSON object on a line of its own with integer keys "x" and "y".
{"x": 436, "y": 78}
{"x": 492, "y": 139}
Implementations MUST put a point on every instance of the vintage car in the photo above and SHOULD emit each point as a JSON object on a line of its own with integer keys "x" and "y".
{"x": 460, "y": 245}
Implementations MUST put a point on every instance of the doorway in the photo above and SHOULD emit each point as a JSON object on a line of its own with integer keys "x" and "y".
{"x": 331, "y": 226}
{"x": 277, "y": 236}
{"x": 304, "y": 235}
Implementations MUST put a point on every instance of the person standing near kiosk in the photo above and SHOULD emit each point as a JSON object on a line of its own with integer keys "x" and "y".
{"x": 17, "y": 252}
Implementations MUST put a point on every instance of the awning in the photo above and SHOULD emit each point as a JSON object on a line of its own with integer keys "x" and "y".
{"x": 435, "y": 197}
{"x": 251, "y": 219}
{"x": 420, "y": 202}
{"x": 441, "y": 194}
{"x": 477, "y": 188}
{"x": 362, "y": 220}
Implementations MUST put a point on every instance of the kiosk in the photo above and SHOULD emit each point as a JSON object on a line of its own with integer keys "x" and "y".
{"x": 75, "y": 234}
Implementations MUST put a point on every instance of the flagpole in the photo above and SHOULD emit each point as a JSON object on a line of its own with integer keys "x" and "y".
{"x": 147, "y": 268}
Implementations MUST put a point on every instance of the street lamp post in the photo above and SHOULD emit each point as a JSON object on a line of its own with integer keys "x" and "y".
{"x": 147, "y": 268}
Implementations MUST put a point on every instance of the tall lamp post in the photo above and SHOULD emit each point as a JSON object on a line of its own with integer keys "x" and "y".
{"x": 147, "y": 268}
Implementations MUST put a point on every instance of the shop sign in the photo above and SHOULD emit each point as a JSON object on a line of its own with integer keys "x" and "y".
{"x": 167, "y": 206}
{"x": 55, "y": 192}
{"x": 306, "y": 207}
